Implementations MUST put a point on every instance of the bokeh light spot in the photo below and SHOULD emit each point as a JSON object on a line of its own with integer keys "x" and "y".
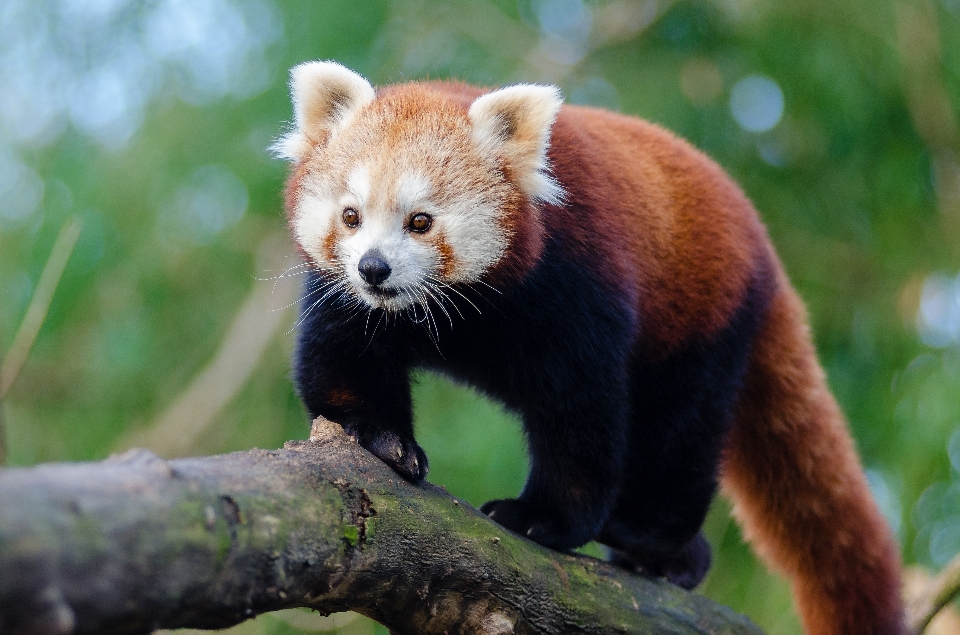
{"x": 938, "y": 317}
{"x": 565, "y": 27}
{"x": 886, "y": 497}
{"x": 756, "y": 103}
{"x": 596, "y": 91}
{"x": 945, "y": 540}
{"x": 567, "y": 19}
{"x": 21, "y": 190}
{"x": 953, "y": 449}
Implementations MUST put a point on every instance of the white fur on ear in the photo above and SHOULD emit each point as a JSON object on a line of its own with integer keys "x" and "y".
{"x": 514, "y": 123}
{"x": 325, "y": 96}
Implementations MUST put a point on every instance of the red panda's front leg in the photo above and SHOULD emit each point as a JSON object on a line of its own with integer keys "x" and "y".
{"x": 364, "y": 386}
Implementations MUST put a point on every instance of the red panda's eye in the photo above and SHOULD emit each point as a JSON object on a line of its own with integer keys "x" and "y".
{"x": 351, "y": 217}
{"x": 421, "y": 223}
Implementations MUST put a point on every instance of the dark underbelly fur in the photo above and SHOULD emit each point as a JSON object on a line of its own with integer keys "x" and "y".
{"x": 622, "y": 450}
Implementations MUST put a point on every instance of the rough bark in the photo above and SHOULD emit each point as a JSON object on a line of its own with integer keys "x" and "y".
{"x": 136, "y": 543}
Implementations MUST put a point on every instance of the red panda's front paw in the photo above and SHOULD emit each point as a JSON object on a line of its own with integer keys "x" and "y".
{"x": 403, "y": 455}
{"x": 519, "y": 517}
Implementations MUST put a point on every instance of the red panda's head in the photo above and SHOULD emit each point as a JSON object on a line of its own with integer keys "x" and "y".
{"x": 411, "y": 189}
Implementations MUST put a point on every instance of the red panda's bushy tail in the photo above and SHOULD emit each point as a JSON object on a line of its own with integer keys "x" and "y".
{"x": 799, "y": 492}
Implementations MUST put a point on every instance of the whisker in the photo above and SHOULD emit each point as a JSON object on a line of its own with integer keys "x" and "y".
{"x": 429, "y": 319}
{"x": 412, "y": 309}
{"x": 316, "y": 289}
{"x": 427, "y": 291}
{"x": 375, "y": 327}
{"x": 286, "y": 273}
{"x": 494, "y": 289}
{"x": 354, "y": 310}
{"x": 433, "y": 320}
{"x": 367, "y": 325}
{"x": 449, "y": 286}
{"x": 485, "y": 298}
{"x": 336, "y": 286}
{"x": 437, "y": 286}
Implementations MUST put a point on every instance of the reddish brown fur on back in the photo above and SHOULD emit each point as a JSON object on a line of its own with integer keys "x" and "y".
{"x": 792, "y": 471}
{"x": 686, "y": 239}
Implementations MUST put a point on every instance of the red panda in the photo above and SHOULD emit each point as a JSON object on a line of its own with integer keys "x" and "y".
{"x": 607, "y": 282}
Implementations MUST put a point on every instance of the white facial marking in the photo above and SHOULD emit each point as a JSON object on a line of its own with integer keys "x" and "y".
{"x": 471, "y": 230}
{"x": 315, "y": 215}
{"x": 413, "y": 190}
{"x": 358, "y": 184}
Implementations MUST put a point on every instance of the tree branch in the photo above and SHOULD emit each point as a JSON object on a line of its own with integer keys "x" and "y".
{"x": 136, "y": 543}
{"x": 931, "y": 595}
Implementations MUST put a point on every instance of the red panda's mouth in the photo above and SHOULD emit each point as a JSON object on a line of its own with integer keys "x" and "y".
{"x": 382, "y": 292}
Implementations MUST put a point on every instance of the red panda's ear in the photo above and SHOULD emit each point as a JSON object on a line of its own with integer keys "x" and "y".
{"x": 514, "y": 123}
{"x": 325, "y": 95}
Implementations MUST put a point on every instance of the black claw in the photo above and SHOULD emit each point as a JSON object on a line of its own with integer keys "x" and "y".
{"x": 517, "y": 516}
{"x": 403, "y": 455}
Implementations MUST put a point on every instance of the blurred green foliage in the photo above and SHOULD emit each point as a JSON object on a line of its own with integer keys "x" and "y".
{"x": 148, "y": 121}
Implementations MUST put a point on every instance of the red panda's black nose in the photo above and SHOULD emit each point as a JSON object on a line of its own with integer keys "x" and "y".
{"x": 373, "y": 268}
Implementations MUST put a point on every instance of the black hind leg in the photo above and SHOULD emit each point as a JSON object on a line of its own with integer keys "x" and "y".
{"x": 681, "y": 410}
{"x": 687, "y": 567}
{"x": 668, "y": 485}
{"x": 671, "y": 476}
